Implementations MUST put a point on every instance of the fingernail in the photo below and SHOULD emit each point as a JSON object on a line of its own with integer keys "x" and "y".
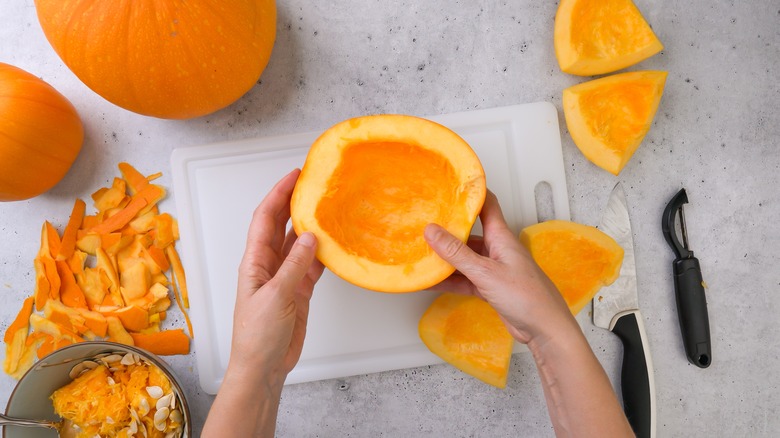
{"x": 307, "y": 239}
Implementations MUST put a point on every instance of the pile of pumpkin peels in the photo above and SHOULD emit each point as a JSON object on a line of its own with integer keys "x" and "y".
{"x": 104, "y": 277}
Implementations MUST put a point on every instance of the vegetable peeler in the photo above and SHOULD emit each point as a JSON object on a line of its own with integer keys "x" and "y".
{"x": 688, "y": 286}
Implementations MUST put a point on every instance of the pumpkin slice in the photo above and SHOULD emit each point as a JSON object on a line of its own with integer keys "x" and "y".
{"x": 609, "y": 117}
{"x": 468, "y": 334}
{"x": 369, "y": 187}
{"x": 594, "y": 37}
{"x": 579, "y": 259}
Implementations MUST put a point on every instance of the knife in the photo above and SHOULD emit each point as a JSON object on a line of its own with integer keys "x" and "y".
{"x": 616, "y": 308}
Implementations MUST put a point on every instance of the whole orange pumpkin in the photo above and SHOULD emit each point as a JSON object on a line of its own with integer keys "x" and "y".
{"x": 171, "y": 59}
{"x": 40, "y": 135}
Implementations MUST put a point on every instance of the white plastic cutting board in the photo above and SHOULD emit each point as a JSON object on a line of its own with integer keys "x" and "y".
{"x": 351, "y": 331}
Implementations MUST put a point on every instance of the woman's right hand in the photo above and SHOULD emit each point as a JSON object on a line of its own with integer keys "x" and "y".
{"x": 499, "y": 269}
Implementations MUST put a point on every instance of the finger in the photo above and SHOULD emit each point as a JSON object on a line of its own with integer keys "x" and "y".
{"x": 269, "y": 222}
{"x": 453, "y": 250}
{"x": 492, "y": 217}
{"x": 297, "y": 263}
{"x": 494, "y": 226}
{"x": 274, "y": 210}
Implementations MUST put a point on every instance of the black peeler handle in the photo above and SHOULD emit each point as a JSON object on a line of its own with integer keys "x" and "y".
{"x": 692, "y": 311}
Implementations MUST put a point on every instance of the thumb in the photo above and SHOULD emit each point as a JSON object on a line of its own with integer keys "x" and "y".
{"x": 452, "y": 249}
{"x": 297, "y": 262}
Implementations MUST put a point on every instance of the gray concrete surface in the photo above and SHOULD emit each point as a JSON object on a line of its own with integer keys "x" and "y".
{"x": 716, "y": 134}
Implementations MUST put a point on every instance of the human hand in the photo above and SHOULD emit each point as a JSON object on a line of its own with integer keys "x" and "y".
{"x": 275, "y": 282}
{"x": 499, "y": 269}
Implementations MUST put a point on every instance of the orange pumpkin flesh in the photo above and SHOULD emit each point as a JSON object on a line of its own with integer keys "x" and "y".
{"x": 609, "y": 117}
{"x": 369, "y": 187}
{"x": 577, "y": 258}
{"x": 594, "y": 37}
{"x": 40, "y": 135}
{"x": 168, "y": 58}
{"x": 468, "y": 334}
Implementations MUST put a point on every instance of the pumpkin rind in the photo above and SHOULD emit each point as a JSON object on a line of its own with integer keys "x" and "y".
{"x": 371, "y": 184}
{"x": 468, "y": 334}
{"x": 40, "y": 135}
{"x": 594, "y": 37}
{"x": 169, "y": 59}
{"x": 609, "y": 117}
{"x": 578, "y": 259}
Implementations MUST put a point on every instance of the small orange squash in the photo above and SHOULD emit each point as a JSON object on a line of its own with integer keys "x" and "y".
{"x": 609, "y": 117}
{"x": 40, "y": 135}
{"x": 169, "y": 58}
{"x": 578, "y": 259}
{"x": 369, "y": 187}
{"x": 594, "y": 37}
{"x": 468, "y": 334}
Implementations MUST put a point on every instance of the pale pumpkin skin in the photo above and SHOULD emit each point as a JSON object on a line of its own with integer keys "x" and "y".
{"x": 369, "y": 187}
{"x": 169, "y": 58}
{"x": 40, "y": 135}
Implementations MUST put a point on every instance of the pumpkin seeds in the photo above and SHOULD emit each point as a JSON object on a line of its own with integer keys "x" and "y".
{"x": 109, "y": 360}
{"x": 154, "y": 392}
{"x": 130, "y": 359}
{"x": 81, "y": 368}
{"x": 176, "y": 416}
{"x": 161, "y": 418}
{"x": 144, "y": 407}
{"x": 164, "y": 401}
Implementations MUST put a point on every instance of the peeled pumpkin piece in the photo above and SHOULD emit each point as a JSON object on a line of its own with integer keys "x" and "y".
{"x": 594, "y": 37}
{"x": 609, "y": 117}
{"x": 371, "y": 184}
{"x": 468, "y": 334}
{"x": 578, "y": 259}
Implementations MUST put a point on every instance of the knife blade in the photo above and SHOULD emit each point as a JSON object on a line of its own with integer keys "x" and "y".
{"x": 616, "y": 308}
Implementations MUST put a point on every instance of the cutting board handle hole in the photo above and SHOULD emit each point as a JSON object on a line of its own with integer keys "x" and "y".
{"x": 545, "y": 208}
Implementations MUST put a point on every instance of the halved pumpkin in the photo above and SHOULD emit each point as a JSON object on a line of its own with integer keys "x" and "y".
{"x": 369, "y": 187}
{"x": 579, "y": 259}
{"x": 468, "y": 334}
{"x": 609, "y": 117}
{"x": 594, "y": 37}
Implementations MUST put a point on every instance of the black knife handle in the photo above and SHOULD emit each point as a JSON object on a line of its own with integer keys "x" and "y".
{"x": 636, "y": 377}
{"x": 692, "y": 311}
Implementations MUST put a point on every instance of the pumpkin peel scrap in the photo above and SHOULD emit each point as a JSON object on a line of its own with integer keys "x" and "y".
{"x": 124, "y": 291}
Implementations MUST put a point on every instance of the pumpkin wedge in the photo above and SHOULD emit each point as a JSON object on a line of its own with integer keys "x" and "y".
{"x": 578, "y": 259}
{"x": 594, "y": 37}
{"x": 609, "y": 117}
{"x": 369, "y": 187}
{"x": 468, "y": 334}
